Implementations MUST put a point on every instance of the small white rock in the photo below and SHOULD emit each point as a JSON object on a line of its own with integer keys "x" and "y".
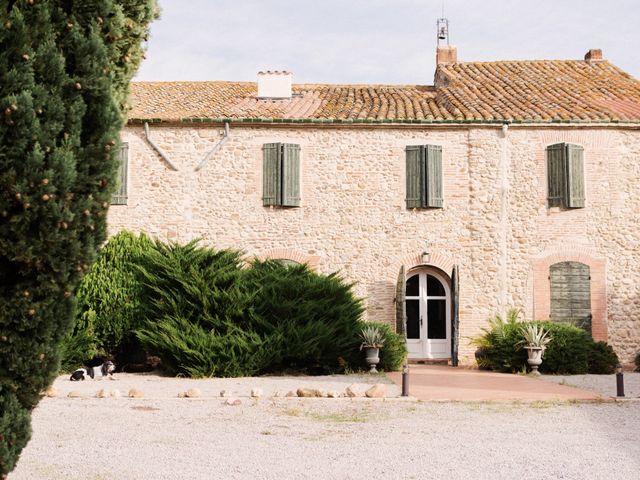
{"x": 354, "y": 390}
{"x": 116, "y": 393}
{"x": 135, "y": 393}
{"x": 233, "y": 402}
{"x": 193, "y": 393}
{"x": 102, "y": 393}
{"x": 256, "y": 392}
{"x": 379, "y": 390}
{"x": 51, "y": 392}
{"x": 333, "y": 394}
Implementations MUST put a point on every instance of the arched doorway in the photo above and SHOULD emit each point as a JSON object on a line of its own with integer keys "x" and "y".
{"x": 428, "y": 314}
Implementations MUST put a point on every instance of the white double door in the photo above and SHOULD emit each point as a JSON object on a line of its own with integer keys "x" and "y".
{"x": 428, "y": 308}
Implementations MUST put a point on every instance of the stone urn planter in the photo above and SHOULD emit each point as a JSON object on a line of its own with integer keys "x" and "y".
{"x": 535, "y": 340}
{"x": 372, "y": 341}
{"x": 373, "y": 358}
{"x": 535, "y": 358}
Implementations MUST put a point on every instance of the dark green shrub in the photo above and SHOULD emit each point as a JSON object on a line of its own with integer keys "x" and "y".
{"x": 309, "y": 320}
{"x": 568, "y": 352}
{"x": 64, "y": 73}
{"x": 637, "y": 361}
{"x": 571, "y": 350}
{"x": 207, "y": 316}
{"x": 394, "y": 351}
{"x": 602, "y": 359}
{"x": 196, "y": 313}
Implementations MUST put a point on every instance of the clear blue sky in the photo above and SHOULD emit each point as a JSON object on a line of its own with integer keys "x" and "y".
{"x": 378, "y": 41}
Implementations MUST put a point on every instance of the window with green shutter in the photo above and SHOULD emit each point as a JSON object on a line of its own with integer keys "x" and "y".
{"x": 281, "y": 175}
{"x": 119, "y": 196}
{"x": 424, "y": 176}
{"x": 565, "y": 176}
{"x": 571, "y": 294}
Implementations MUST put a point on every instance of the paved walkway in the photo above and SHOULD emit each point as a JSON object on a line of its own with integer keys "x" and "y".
{"x": 431, "y": 382}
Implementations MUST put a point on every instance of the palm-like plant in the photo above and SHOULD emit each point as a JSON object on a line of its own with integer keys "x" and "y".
{"x": 372, "y": 337}
{"x": 535, "y": 336}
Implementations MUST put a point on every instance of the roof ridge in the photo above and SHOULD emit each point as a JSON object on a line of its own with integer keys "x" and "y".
{"x": 243, "y": 82}
{"x": 557, "y": 60}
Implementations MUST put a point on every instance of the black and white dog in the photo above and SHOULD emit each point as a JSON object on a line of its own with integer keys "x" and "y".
{"x": 106, "y": 368}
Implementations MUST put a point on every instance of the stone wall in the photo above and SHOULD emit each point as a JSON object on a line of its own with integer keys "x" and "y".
{"x": 495, "y": 224}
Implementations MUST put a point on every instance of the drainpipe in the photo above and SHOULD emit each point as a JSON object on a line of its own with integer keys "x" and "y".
{"x": 503, "y": 224}
{"x": 157, "y": 148}
{"x": 216, "y": 147}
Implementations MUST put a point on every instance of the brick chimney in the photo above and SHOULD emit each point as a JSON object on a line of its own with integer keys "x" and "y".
{"x": 593, "y": 55}
{"x": 446, "y": 55}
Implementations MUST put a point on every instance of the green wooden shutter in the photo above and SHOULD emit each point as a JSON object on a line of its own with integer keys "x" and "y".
{"x": 271, "y": 174}
{"x": 571, "y": 294}
{"x": 290, "y": 175}
{"x": 433, "y": 159}
{"x": 455, "y": 317}
{"x": 119, "y": 196}
{"x": 401, "y": 312}
{"x": 556, "y": 174}
{"x": 575, "y": 176}
{"x": 415, "y": 175}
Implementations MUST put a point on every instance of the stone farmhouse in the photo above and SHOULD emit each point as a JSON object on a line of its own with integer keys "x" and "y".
{"x": 504, "y": 184}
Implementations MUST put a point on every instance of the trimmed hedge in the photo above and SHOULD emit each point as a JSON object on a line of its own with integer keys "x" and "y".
{"x": 571, "y": 351}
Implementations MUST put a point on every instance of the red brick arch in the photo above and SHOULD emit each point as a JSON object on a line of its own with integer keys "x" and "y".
{"x": 290, "y": 254}
{"x": 542, "y": 288}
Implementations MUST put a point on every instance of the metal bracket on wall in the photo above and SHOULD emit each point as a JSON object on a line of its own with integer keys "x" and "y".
{"x": 215, "y": 148}
{"x": 157, "y": 148}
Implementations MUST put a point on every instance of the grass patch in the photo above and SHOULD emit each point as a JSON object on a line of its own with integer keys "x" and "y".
{"x": 340, "y": 417}
{"x": 292, "y": 412}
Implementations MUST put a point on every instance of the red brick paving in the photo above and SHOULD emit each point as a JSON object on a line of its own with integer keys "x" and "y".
{"x": 432, "y": 382}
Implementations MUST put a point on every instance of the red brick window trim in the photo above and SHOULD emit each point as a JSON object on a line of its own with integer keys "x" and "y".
{"x": 542, "y": 287}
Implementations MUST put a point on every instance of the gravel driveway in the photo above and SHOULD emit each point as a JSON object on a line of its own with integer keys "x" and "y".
{"x": 280, "y": 438}
{"x": 604, "y": 384}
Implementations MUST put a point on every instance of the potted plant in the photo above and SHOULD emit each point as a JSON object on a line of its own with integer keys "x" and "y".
{"x": 372, "y": 341}
{"x": 535, "y": 341}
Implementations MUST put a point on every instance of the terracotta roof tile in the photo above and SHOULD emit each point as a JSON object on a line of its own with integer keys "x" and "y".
{"x": 537, "y": 91}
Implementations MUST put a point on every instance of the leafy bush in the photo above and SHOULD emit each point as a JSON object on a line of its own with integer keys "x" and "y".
{"x": 637, "y": 361}
{"x": 112, "y": 291}
{"x": 108, "y": 300}
{"x": 394, "y": 352}
{"x": 571, "y": 350}
{"x": 602, "y": 359}
{"x": 79, "y": 345}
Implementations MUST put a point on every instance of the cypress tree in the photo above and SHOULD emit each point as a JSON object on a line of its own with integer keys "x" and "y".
{"x": 64, "y": 71}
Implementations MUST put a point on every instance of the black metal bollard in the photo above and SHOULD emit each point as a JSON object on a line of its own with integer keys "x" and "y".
{"x": 405, "y": 380}
{"x": 619, "y": 381}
